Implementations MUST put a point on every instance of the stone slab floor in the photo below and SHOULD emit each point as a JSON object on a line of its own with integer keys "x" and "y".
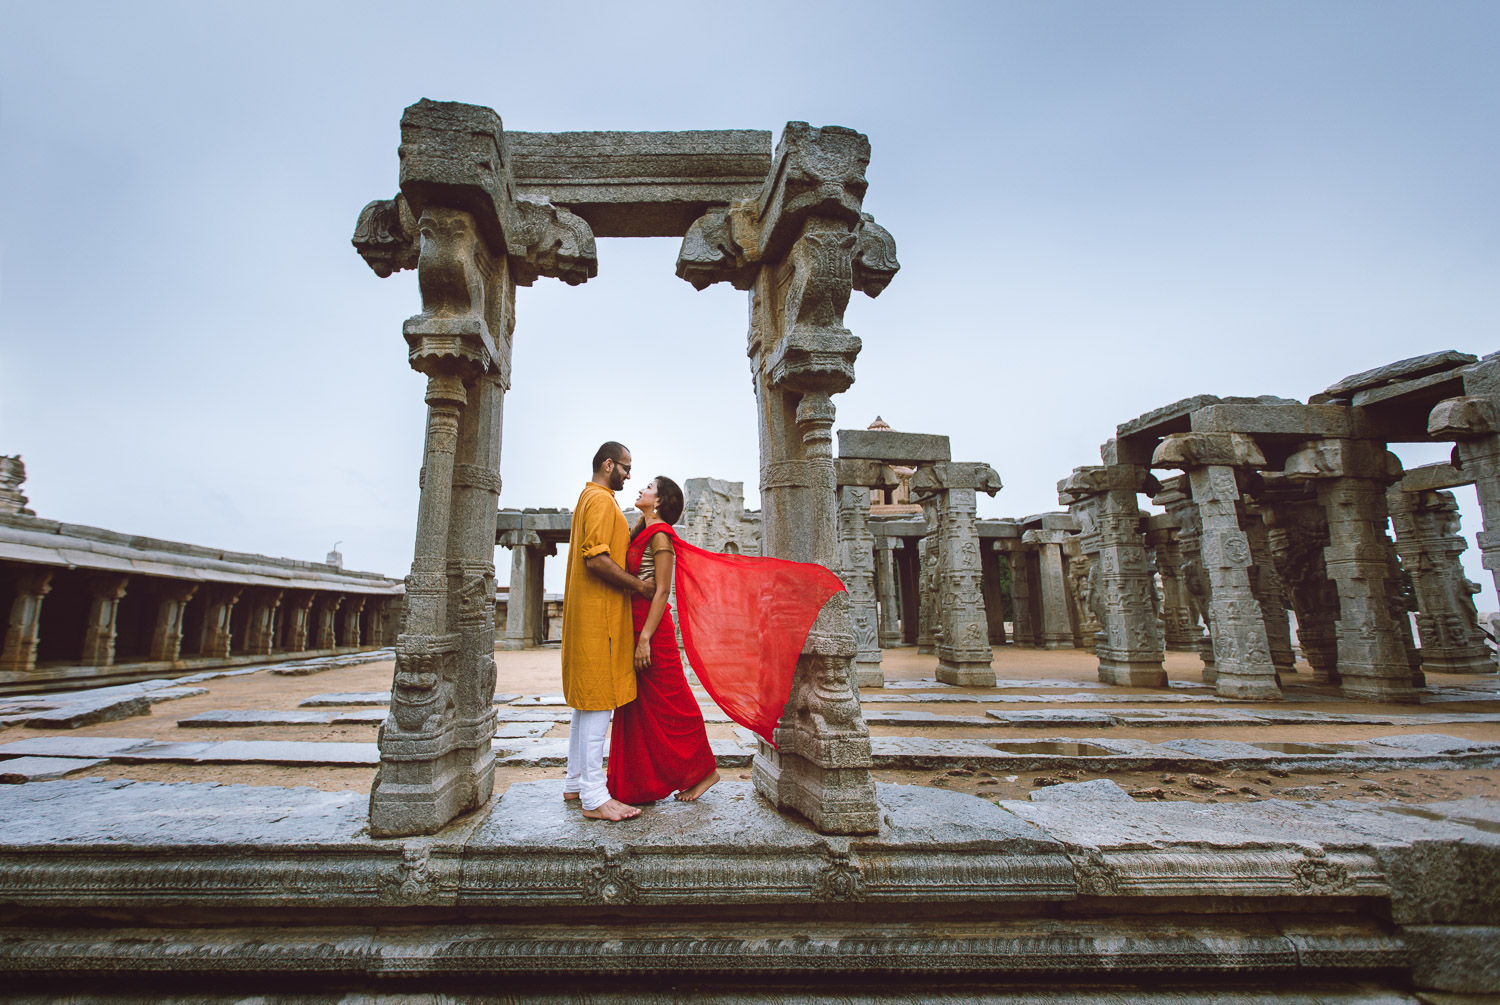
{"x": 1041, "y": 696}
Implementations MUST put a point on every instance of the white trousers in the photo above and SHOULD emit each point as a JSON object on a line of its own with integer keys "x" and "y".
{"x": 586, "y": 738}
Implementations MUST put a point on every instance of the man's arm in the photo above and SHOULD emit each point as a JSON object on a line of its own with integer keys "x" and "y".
{"x": 608, "y": 570}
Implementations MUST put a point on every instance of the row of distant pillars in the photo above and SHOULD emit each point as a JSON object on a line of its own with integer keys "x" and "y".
{"x": 65, "y": 617}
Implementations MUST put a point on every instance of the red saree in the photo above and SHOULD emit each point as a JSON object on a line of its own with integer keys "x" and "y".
{"x": 745, "y": 620}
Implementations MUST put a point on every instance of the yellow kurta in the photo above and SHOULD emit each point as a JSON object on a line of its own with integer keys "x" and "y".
{"x": 598, "y": 637}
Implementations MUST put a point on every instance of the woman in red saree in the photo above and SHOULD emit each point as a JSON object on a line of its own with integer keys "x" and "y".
{"x": 745, "y": 620}
{"x": 658, "y": 744}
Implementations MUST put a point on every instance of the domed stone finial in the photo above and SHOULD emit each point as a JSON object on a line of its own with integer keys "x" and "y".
{"x": 879, "y": 423}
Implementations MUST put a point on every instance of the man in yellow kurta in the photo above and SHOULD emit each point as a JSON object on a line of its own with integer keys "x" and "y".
{"x": 598, "y": 636}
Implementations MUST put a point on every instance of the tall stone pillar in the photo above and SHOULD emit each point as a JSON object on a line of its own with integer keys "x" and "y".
{"x": 1351, "y": 477}
{"x": 886, "y": 590}
{"x": 525, "y": 611}
{"x": 299, "y": 615}
{"x": 1429, "y": 543}
{"x": 105, "y": 593}
{"x": 1180, "y": 631}
{"x": 800, "y": 248}
{"x": 23, "y": 630}
{"x": 1242, "y": 655}
{"x": 856, "y": 567}
{"x": 352, "y": 611}
{"x": 1023, "y": 631}
{"x": 928, "y": 596}
{"x": 1269, "y": 591}
{"x": 166, "y": 636}
{"x": 1057, "y": 630}
{"x": 218, "y": 632}
{"x": 1474, "y": 421}
{"x": 260, "y": 635}
{"x": 325, "y": 621}
{"x": 458, "y": 221}
{"x": 1084, "y": 594}
{"x": 963, "y": 645}
{"x": 1176, "y": 498}
{"x": 1129, "y": 646}
{"x": 1297, "y": 533}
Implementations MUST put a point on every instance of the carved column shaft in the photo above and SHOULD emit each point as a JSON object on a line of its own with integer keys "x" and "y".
{"x": 1297, "y": 533}
{"x": 887, "y": 591}
{"x": 1179, "y": 622}
{"x": 106, "y": 592}
{"x": 299, "y": 614}
{"x": 1057, "y": 630}
{"x": 1242, "y": 654}
{"x": 1269, "y": 591}
{"x": 166, "y": 636}
{"x": 1023, "y": 629}
{"x": 23, "y": 630}
{"x": 351, "y": 635}
{"x": 962, "y": 638}
{"x": 1429, "y": 543}
{"x": 1084, "y": 592}
{"x": 260, "y": 633}
{"x": 1132, "y": 651}
{"x": 928, "y": 594}
{"x": 218, "y": 623}
{"x": 856, "y": 565}
{"x": 525, "y": 617}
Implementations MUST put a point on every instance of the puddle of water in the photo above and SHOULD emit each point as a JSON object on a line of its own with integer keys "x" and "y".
{"x": 1304, "y": 748}
{"x": 1054, "y": 747}
{"x": 1488, "y": 826}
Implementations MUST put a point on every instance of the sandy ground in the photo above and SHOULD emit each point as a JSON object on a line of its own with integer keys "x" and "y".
{"x": 537, "y": 672}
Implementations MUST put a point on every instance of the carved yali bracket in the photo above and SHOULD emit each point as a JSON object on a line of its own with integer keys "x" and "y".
{"x": 386, "y": 236}
{"x": 875, "y": 262}
{"x": 711, "y": 254}
{"x": 551, "y": 241}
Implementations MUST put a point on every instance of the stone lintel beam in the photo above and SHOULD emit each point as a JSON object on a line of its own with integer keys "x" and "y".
{"x": 519, "y": 539}
{"x": 1464, "y": 418}
{"x": 952, "y": 475}
{"x": 1343, "y": 459}
{"x": 641, "y": 184}
{"x": 999, "y": 529}
{"x": 1044, "y": 537}
{"x": 891, "y": 447}
{"x": 1189, "y": 451}
{"x": 1390, "y": 373}
{"x": 863, "y": 474}
{"x": 1434, "y": 478}
{"x": 1159, "y": 422}
{"x": 1280, "y": 420}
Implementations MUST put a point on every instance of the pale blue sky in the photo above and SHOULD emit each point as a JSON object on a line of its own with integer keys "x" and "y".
{"x": 1099, "y": 208}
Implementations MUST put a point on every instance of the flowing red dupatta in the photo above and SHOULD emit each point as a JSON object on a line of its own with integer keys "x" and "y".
{"x": 744, "y": 621}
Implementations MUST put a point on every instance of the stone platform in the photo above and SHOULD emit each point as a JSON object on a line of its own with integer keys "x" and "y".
{"x": 113, "y": 885}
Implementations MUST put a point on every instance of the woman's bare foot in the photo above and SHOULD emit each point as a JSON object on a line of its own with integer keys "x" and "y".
{"x": 613, "y": 811}
{"x": 570, "y": 796}
{"x": 706, "y": 783}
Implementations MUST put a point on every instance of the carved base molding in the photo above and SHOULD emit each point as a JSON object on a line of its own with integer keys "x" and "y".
{"x": 966, "y": 674}
{"x": 1126, "y": 673}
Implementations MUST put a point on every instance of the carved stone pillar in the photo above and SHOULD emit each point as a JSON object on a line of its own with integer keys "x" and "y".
{"x": 218, "y": 633}
{"x": 325, "y": 621}
{"x": 1242, "y": 654}
{"x": 1129, "y": 644}
{"x": 472, "y": 241}
{"x": 1475, "y": 422}
{"x": 1023, "y": 629}
{"x": 23, "y": 630}
{"x": 963, "y": 644}
{"x": 1297, "y": 533}
{"x": 1080, "y": 573}
{"x": 1176, "y": 498}
{"x": 1429, "y": 543}
{"x": 1269, "y": 591}
{"x": 801, "y": 247}
{"x": 1180, "y": 631}
{"x": 106, "y": 591}
{"x": 886, "y": 589}
{"x": 525, "y": 611}
{"x": 1057, "y": 630}
{"x": 1351, "y": 478}
{"x": 352, "y": 610}
{"x": 299, "y": 614}
{"x": 928, "y": 595}
{"x": 260, "y": 635}
{"x": 166, "y": 636}
{"x": 856, "y": 567}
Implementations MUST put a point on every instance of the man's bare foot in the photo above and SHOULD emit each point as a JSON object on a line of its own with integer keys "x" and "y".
{"x": 613, "y": 811}
{"x": 570, "y": 796}
{"x": 706, "y": 783}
